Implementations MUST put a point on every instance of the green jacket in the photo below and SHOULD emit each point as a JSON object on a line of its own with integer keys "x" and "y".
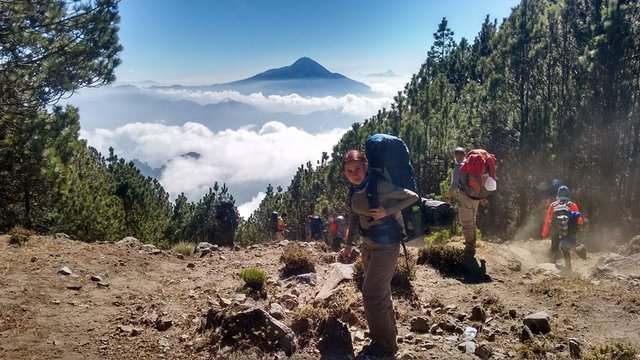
{"x": 392, "y": 198}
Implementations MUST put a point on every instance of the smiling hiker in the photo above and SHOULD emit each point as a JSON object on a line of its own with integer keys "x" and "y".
{"x": 381, "y": 226}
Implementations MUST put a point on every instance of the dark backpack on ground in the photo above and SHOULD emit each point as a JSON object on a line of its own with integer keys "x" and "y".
{"x": 273, "y": 221}
{"x": 437, "y": 215}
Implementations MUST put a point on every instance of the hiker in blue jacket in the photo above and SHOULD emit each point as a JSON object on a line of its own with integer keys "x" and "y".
{"x": 382, "y": 229}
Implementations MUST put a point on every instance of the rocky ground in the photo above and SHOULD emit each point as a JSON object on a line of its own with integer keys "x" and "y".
{"x": 63, "y": 299}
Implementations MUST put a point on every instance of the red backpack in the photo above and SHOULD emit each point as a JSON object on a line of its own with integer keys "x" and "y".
{"x": 476, "y": 169}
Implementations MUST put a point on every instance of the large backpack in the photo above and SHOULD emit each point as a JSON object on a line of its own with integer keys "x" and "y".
{"x": 389, "y": 158}
{"x": 273, "y": 221}
{"x": 476, "y": 170}
{"x": 316, "y": 226}
{"x": 561, "y": 218}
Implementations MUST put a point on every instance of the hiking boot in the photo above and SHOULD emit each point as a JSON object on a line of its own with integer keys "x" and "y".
{"x": 474, "y": 272}
{"x": 376, "y": 351}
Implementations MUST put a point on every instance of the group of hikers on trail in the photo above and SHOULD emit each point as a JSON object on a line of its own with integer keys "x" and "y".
{"x": 386, "y": 210}
{"x": 315, "y": 229}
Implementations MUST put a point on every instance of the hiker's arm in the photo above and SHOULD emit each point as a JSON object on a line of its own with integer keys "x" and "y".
{"x": 406, "y": 197}
{"x": 455, "y": 180}
{"x": 574, "y": 207}
{"x": 547, "y": 221}
{"x": 354, "y": 222}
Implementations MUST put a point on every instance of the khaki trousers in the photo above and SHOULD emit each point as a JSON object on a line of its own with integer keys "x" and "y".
{"x": 467, "y": 212}
{"x": 379, "y": 264}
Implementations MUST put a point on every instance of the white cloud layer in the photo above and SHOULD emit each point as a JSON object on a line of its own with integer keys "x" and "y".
{"x": 249, "y": 207}
{"x": 361, "y": 106}
{"x": 238, "y": 158}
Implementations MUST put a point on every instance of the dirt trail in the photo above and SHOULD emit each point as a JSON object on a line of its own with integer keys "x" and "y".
{"x": 42, "y": 316}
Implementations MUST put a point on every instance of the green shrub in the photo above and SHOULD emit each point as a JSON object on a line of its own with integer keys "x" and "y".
{"x": 254, "y": 278}
{"x": 611, "y": 350}
{"x": 297, "y": 260}
{"x": 19, "y": 235}
{"x": 184, "y": 247}
{"x": 444, "y": 258}
{"x": 438, "y": 238}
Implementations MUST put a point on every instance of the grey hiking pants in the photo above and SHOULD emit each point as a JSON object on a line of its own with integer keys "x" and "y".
{"x": 467, "y": 212}
{"x": 379, "y": 263}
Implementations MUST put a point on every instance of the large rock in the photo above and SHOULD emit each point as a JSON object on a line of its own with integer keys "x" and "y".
{"x": 309, "y": 278}
{"x": 277, "y": 311}
{"x": 163, "y": 323}
{"x": 478, "y": 314}
{"x": 574, "y": 349}
{"x": 339, "y": 273}
{"x": 538, "y": 322}
{"x": 255, "y": 327}
{"x": 335, "y": 340}
{"x": 129, "y": 241}
{"x": 484, "y": 351}
{"x": 64, "y": 271}
{"x": 526, "y": 334}
{"x": 419, "y": 324}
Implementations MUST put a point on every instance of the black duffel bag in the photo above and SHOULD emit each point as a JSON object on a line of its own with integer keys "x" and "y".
{"x": 437, "y": 215}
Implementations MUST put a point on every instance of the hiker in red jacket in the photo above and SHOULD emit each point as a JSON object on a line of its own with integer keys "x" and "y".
{"x": 563, "y": 218}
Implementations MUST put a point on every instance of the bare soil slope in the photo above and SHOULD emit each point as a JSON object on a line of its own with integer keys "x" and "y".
{"x": 149, "y": 304}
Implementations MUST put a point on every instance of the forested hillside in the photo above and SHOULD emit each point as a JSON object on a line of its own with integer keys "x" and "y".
{"x": 50, "y": 180}
{"x": 553, "y": 91}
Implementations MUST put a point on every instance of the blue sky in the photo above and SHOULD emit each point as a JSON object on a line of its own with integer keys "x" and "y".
{"x": 213, "y": 41}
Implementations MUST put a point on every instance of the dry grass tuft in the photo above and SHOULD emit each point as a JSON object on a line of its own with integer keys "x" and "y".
{"x": 611, "y": 350}
{"x": 184, "y": 247}
{"x": 534, "y": 350}
{"x": 19, "y": 236}
{"x": 444, "y": 258}
{"x": 297, "y": 260}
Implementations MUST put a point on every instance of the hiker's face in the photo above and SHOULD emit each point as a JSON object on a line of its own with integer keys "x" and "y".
{"x": 355, "y": 171}
{"x": 459, "y": 156}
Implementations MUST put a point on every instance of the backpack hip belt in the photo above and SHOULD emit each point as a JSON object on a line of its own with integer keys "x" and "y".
{"x": 384, "y": 234}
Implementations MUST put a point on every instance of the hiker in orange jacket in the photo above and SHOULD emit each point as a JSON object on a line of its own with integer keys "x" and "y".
{"x": 565, "y": 217}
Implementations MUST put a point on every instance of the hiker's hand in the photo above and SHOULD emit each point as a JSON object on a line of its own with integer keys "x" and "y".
{"x": 378, "y": 213}
{"x": 484, "y": 202}
{"x": 346, "y": 253}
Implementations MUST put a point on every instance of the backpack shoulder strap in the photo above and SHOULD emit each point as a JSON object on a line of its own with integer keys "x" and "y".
{"x": 372, "y": 191}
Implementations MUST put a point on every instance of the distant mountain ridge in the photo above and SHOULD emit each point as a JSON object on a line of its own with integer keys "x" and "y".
{"x": 303, "y": 68}
{"x": 304, "y": 77}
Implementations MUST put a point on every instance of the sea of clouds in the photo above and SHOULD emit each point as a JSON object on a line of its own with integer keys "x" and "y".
{"x": 246, "y": 159}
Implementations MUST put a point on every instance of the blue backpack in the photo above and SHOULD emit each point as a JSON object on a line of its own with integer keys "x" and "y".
{"x": 389, "y": 159}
